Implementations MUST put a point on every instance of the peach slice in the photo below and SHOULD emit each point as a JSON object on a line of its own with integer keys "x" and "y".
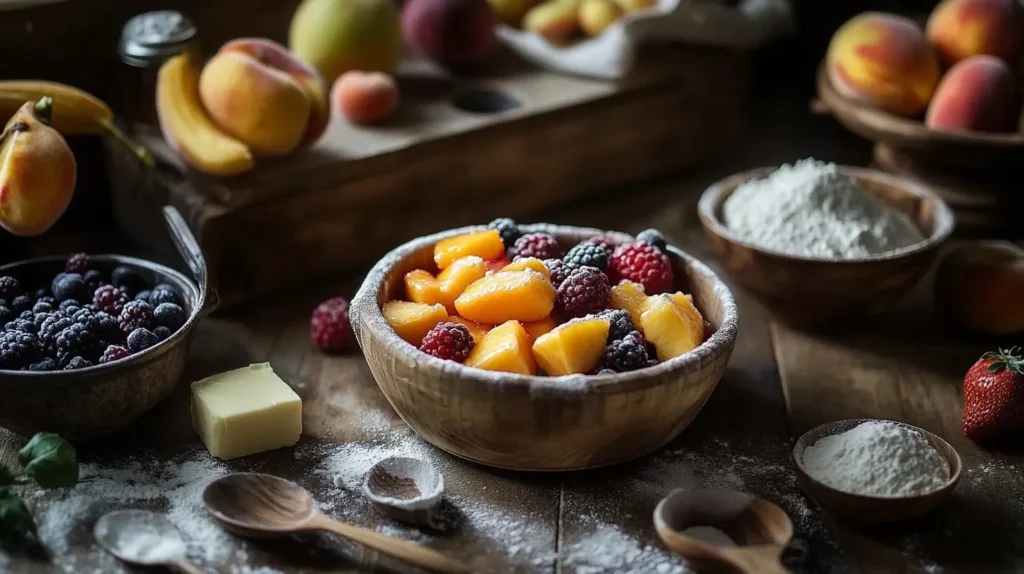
{"x": 672, "y": 324}
{"x": 504, "y": 348}
{"x": 411, "y": 321}
{"x": 630, "y": 297}
{"x": 529, "y": 263}
{"x": 538, "y": 328}
{"x": 422, "y": 287}
{"x": 475, "y": 329}
{"x": 574, "y": 347}
{"x": 519, "y": 295}
{"x": 484, "y": 244}
{"x": 457, "y": 276}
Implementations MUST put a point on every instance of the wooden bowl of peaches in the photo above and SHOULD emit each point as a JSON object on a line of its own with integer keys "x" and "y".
{"x": 543, "y": 347}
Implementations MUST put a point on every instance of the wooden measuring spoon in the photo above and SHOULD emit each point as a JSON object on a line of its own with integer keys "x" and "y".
{"x": 143, "y": 538}
{"x": 260, "y": 505}
{"x": 760, "y": 529}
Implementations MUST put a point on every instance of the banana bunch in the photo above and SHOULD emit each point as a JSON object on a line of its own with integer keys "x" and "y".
{"x": 75, "y": 112}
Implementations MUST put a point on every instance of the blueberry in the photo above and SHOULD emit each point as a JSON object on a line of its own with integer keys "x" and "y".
{"x": 141, "y": 339}
{"x": 70, "y": 286}
{"x": 94, "y": 279}
{"x": 162, "y": 294}
{"x": 128, "y": 280}
{"x": 162, "y": 333}
{"x": 143, "y": 296}
{"x": 170, "y": 315}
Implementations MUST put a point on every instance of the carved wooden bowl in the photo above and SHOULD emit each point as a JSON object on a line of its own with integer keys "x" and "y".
{"x": 541, "y": 423}
{"x": 809, "y": 292}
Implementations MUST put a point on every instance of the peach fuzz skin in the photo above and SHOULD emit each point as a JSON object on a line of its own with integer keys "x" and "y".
{"x": 884, "y": 61}
{"x": 977, "y": 94}
{"x": 959, "y": 29}
{"x": 258, "y": 92}
{"x": 978, "y": 286}
{"x": 365, "y": 97}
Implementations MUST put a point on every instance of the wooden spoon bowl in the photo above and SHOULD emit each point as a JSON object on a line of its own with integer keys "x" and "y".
{"x": 541, "y": 423}
{"x": 865, "y": 509}
{"x": 809, "y": 292}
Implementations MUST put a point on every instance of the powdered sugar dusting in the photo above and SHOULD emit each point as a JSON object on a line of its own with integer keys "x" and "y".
{"x": 608, "y": 549}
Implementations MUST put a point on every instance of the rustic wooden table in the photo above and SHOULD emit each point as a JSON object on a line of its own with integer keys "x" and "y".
{"x": 780, "y": 382}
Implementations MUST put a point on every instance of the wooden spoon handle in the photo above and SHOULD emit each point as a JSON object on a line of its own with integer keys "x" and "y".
{"x": 184, "y": 567}
{"x": 418, "y": 555}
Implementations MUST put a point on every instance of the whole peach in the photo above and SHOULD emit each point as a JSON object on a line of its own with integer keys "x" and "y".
{"x": 979, "y": 94}
{"x": 336, "y": 36}
{"x": 884, "y": 61}
{"x": 959, "y": 29}
{"x": 455, "y": 33}
{"x": 979, "y": 286}
{"x": 365, "y": 97}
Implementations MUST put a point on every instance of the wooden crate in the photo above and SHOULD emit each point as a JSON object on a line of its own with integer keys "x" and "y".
{"x": 361, "y": 191}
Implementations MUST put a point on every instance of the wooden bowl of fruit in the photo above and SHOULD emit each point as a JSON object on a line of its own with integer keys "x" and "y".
{"x": 541, "y": 363}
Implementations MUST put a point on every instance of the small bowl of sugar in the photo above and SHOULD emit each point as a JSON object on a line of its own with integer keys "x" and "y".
{"x": 823, "y": 245}
{"x": 870, "y": 470}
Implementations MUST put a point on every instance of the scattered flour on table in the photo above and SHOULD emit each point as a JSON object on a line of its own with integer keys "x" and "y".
{"x": 150, "y": 547}
{"x": 4, "y": 560}
{"x": 810, "y": 209}
{"x": 709, "y": 534}
{"x": 608, "y": 549}
{"x": 877, "y": 458}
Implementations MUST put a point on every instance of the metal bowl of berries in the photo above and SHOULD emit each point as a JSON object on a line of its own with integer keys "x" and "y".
{"x": 91, "y": 342}
{"x": 573, "y": 383}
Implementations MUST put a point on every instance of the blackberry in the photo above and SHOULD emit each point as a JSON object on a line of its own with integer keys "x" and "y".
{"x": 584, "y": 291}
{"x": 587, "y": 255}
{"x": 558, "y": 270}
{"x": 606, "y": 372}
{"x": 100, "y": 324}
{"x": 70, "y": 286}
{"x": 114, "y": 353}
{"x": 46, "y": 299}
{"x": 77, "y": 363}
{"x": 27, "y": 314}
{"x": 43, "y": 292}
{"x": 37, "y": 320}
{"x": 22, "y": 325}
{"x": 6, "y": 314}
{"x": 141, "y": 339}
{"x": 51, "y": 327}
{"x": 143, "y": 295}
{"x": 163, "y": 294}
{"x": 77, "y": 263}
{"x": 41, "y": 307}
{"x": 654, "y": 237}
{"x": 162, "y": 333}
{"x": 170, "y": 315}
{"x": 77, "y": 341}
{"x": 127, "y": 280}
{"x": 621, "y": 325}
{"x": 110, "y": 299}
{"x": 539, "y": 245}
{"x": 135, "y": 315}
{"x": 18, "y": 349}
{"x": 45, "y": 364}
{"x": 601, "y": 241}
{"x": 9, "y": 288}
{"x": 652, "y": 362}
{"x": 69, "y": 307}
{"x": 94, "y": 279}
{"x": 507, "y": 229}
{"x": 624, "y": 355}
{"x": 20, "y": 304}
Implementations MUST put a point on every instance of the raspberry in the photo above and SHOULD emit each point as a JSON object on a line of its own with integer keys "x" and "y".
{"x": 587, "y": 255}
{"x": 451, "y": 341}
{"x": 584, "y": 291}
{"x": 558, "y": 269}
{"x": 644, "y": 264}
{"x": 163, "y": 294}
{"x": 77, "y": 263}
{"x": 602, "y": 241}
{"x": 621, "y": 325}
{"x": 507, "y": 229}
{"x": 45, "y": 364}
{"x": 113, "y": 353}
{"x": 77, "y": 341}
{"x": 654, "y": 237}
{"x": 141, "y": 339}
{"x": 70, "y": 286}
{"x": 170, "y": 315}
{"x": 93, "y": 279}
{"x": 20, "y": 304}
{"x": 709, "y": 330}
{"x": 77, "y": 363}
{"x": 110, "y": 299}
{"x": 22, "y": 325}
{"x": 329, "y": 328}
{"x": 135, "y": 315}
{"x": 539, "y": 245}
{"x": 623, "y": 355}
{"x": 127, "y": 280}
{"x": 18, "y": 349}
{"x": 9, "y": 288}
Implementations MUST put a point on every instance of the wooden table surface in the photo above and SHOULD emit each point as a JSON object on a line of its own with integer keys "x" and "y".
{"x": 779, "y": 383}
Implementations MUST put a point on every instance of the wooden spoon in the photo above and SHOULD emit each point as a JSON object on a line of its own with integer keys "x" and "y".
{"x": 760, "y": 529}
{"x": 260, "y": 505}
{"x": 143, "y": 538}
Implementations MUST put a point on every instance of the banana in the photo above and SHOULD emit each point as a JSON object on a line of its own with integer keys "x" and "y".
{"x": 187, "y": 128}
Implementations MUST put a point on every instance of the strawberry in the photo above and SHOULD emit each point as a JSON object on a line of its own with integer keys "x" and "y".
{"x": 994, "y": 395}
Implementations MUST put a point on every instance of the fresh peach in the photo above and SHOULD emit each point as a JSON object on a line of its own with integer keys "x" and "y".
{"x": 258, "y": 92}
{"x": 978, "y": 94}
{"x": 959, "y": 29}
{"x": 485, "y": 244}
{"x": 455, "y": 33}
{"x": 412, "y": 321}
{"x": 574, "y": 347}
{"x": 365, "y": 97}
{"x": 979, "y": 287}
{"x": 519, "y": 295}
{"x": 884, "y": 61}
{"x": 507, "y": 348}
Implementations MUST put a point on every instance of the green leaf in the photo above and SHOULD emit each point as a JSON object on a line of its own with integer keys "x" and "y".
{"x": 17, "y": 527}
{"x": 50, "y": 460}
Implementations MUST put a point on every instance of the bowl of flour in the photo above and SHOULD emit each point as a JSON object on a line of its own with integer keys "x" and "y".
{"x": 822, "y": 244}
{"x": 869, "y": 470}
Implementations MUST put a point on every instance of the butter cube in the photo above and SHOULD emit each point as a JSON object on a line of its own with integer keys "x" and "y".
{"x": 246, "y": 411}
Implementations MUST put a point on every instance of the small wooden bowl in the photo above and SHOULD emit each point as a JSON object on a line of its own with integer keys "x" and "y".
{"x": 541, "y": 423}
{"x": 860, "y": 508}
{"x": 966, "y": 149}
{"x": 406, "y": 489}
{"x": 810, "y": 292}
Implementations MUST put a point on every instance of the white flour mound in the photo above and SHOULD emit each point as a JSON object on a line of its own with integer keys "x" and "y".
{"x": 810, "y": 209}
{"x": 877, "y": 458}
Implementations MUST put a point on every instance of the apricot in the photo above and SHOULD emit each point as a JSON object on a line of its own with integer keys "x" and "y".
{"x": 511, "y": 12}
{"x": 556, "y": 20}
{"x": 411, "y": 321}
{"x": 504, "y": 348}
{"x": 629, "y": 297}
{"x": 455, "y": 33}
{"x": 422, "y": 287}
{"x": 475, "y": 329}
{"x": 258, "y": 92}
{"x": 528, "y": 263}
{"x": 538, "y": 328}
{"x": 884, "y": 61}
{"x": 573, "y": 347}
{"x": 979, "y": 94}
{"x": 959, "y": 29}
{"x": 365, "y": 97}
{"x": 979, "y": 286}
{"x": 673, "y": 328}
{"x": 596, "y": 15}
{"x": 519, "y": 295}
{"x": 457, "y": 277}
{"x": 484, "y": 244}
{"x": 336, "y": 36}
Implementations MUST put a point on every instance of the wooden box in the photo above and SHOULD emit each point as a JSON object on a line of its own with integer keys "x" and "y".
{"x": 459, "y": 151}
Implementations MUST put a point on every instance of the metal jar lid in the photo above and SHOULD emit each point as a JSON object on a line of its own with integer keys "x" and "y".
{"x": 155, "y": 36}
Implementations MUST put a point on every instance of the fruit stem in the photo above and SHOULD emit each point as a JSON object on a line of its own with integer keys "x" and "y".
{"x": 44, "y": 110}
{"x": 140, "y": 151}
